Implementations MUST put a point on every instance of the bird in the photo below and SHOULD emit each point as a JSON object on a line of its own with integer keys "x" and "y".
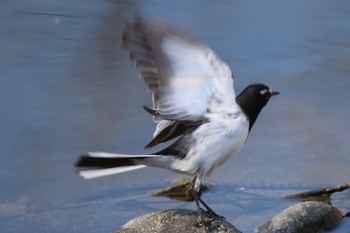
{"x": 194, "y": 104}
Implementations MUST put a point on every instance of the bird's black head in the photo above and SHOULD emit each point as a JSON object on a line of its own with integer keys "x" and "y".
{"x": 252, "y": 100}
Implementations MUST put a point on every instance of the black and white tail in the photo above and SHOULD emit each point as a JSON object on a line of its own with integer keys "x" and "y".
{"x": 97, "y": 164}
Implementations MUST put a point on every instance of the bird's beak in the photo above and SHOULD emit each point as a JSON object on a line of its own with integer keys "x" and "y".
{"x": 274, "y": 93}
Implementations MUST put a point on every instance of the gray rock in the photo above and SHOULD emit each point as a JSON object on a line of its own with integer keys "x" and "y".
{"x": 178, "y": 220}
{"x": 305, "y": 217}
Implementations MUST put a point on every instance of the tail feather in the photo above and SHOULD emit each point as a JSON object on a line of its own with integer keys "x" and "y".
{"x": 96, "y": 164}
{"x": 87, "y": 161}
{"x": 94, "y": 173}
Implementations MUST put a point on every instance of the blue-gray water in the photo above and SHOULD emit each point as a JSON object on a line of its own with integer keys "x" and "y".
{"x": 66, "y": 87}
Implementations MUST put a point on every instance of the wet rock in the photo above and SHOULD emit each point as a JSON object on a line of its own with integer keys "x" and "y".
{"x": 178, "y": 220}
{"x": 305, "y": 217}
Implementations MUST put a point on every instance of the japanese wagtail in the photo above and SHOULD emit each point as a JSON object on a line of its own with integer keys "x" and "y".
{"x": 194, "y": 102}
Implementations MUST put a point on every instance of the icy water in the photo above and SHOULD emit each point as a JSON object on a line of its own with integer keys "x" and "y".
{"x": 67, "y": 87}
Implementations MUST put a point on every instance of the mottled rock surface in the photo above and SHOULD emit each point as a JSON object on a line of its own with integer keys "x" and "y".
{"x": 305, "y": 217}
{"x": 178, "y": 220}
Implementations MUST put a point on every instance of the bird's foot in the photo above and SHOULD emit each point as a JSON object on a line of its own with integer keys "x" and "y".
{"x": 201, "y": 222}
{"x": 212, "y": 214}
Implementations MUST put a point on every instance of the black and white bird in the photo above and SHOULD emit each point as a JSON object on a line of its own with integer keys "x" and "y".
{"x": 193, "y": 100}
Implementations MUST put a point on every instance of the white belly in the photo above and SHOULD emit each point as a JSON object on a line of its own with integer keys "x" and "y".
{"x": 215, "y": 142}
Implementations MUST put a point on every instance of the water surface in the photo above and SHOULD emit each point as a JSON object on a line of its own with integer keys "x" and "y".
{"x": 67, "y": 87}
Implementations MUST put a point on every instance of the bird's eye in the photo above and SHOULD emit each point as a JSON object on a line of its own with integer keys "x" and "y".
{"x": 264, "y": 91}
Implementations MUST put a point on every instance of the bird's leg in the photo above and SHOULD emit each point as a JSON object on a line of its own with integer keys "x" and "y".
{"x": 210, "y": 211}
{"x": 195, "y": 186}
{"x": 195, "y": 193}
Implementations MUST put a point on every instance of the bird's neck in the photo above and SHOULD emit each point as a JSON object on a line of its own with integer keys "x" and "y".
{"x": 249, "y": 107}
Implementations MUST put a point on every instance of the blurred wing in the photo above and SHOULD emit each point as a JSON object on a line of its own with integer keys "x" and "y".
{"x": 185, "y": 77}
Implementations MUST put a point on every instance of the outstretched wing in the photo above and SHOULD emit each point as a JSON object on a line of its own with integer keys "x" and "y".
{"x": 185, "y": 77}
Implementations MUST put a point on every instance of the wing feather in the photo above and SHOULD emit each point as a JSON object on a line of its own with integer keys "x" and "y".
{"x": 185, "y": 77}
